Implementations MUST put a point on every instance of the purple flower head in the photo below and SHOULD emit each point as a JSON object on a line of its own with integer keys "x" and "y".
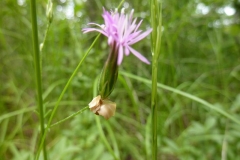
{"x": 121, "y": 29}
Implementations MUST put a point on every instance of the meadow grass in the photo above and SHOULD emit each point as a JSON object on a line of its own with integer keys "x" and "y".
{"x": 195, "y": 85}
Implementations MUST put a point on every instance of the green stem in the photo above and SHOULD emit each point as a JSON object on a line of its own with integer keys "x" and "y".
{"x": 120, "y": 4}
{"x": 45, "y": 36}
{"x": 103, "y": 137}
{"x": 37, "y": 62}
{"x": 61, "y": 96}
{"x": 154, "y": 110}
{"x": 156, "y": 21}
{"x": 71, "y": 116}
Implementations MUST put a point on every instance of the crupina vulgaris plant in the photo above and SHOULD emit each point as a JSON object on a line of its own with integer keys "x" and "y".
{"x": 122, "y": 31}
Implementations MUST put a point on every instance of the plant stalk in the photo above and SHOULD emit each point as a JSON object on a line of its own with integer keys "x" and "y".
{"x": 156, "y": 21}
{"x": 38, "y": 76}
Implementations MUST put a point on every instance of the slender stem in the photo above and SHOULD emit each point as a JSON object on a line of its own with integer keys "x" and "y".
{"x": 156, "y": 21}
{"x": 103, "y": 137}
{"x": 120, "y": 4}
{"x": 37, "y": 62}
{"x": 45, "y": 36}
{"x": 71, "y": 116}
{"x": 61, "y": 96}
{"x": 154, "y": 110}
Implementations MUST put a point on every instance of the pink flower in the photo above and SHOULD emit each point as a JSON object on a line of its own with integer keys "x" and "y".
{"x": 121, "y": 29}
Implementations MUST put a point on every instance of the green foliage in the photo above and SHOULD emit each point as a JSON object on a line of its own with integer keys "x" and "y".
{"x": 199, "y": 55}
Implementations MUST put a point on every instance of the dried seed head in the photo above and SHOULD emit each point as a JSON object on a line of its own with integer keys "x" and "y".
{"x": 95, "y": 104}
{"x": 105, "y": 108}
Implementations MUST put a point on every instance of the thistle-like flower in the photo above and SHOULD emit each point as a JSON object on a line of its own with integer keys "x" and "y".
{"x": 122, "y": 30}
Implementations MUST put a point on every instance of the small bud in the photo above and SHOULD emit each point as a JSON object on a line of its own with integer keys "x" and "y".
{"x": 41, "y": 46}
{"x": 49, "y": 11}
{"x": 105, "y": 108}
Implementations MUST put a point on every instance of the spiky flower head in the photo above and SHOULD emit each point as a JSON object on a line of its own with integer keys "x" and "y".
{"x": 121, "y": 29}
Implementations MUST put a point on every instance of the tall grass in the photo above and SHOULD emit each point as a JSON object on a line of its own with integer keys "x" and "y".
{"x": 194, "y": 90}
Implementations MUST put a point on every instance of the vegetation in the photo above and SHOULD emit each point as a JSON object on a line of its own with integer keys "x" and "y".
{"x": 198, "y": 98}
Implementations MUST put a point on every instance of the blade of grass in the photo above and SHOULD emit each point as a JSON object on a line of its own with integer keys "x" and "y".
{"x": 38, "y": 76}
{"x": 15, "y": 113}
{"x": 130, "y": 92}
{"x": 187, "y": 95}
{"x": 113, "y": 139}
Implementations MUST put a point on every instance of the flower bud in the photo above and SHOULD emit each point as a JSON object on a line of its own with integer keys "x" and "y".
{"x": 49, "y": 11}
{"x": 105, "y": 108}
{"x": 109, "y": 73}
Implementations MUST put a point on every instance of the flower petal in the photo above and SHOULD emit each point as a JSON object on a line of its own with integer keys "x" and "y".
{"x": 86, "y": 30}
{"x": 141, "y": 36}
{"x": 120, "y": 55}
{"x": 138, "y": 26}
{"x": 127, "y": 52}
{"x": 100, "y": 26}
{"x": 138, "y": 55}
{"x": 122, "y": 29}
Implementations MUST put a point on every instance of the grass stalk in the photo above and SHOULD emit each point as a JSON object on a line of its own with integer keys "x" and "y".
{"x": 156, "y": 21}
{"x": 154, "y": 110}
{"x": 38, "y": 76}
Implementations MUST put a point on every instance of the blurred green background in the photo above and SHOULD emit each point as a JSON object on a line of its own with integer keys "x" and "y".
{"x": 200, "y": 55}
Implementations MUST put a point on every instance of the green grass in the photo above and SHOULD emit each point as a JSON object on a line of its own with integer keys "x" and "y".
{"x": 197, "y": 85}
